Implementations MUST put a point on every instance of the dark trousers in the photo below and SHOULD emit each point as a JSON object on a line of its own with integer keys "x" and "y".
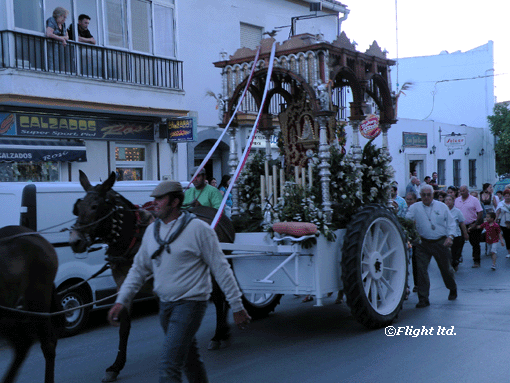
{"x": 506, "y": 236}
{"x": 423, "y": 253}
{"x": 456, "y": 249}
{"x": 474, "y": 240}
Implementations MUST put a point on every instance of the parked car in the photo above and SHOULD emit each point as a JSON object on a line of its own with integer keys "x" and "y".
{"x": 48, "y": 208}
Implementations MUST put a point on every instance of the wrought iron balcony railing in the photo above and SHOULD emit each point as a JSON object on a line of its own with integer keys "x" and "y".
{"x": 37, "y": 53}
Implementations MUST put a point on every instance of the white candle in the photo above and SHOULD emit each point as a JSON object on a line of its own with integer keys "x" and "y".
{"x": 275, "y": 184}
{"x": 266, "y": 173}
{"x": 270, "y": 189}
{"x": 310, "y": 174}
{"x": 262, "y": 191}
{"x": 282, "y": 182}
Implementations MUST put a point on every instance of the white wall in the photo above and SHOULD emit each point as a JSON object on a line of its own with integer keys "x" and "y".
{"x": 455, "y": 88}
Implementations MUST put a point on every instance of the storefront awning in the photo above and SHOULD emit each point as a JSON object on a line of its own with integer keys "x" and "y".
{"x": 26, "y": 150}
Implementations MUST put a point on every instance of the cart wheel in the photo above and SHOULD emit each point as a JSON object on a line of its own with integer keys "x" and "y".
{"x": 261, "y": 304}
{"x": 374, "y": 266}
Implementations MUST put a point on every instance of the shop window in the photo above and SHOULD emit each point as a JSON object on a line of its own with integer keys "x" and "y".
{"x": 130, "y": 163}
{"x": 29, "y": 172}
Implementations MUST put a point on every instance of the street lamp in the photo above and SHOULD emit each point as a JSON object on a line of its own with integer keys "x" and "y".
{"x": 466, "y": 153}
{"x": 482, "y": 152}
{"x": 433, "y": 149}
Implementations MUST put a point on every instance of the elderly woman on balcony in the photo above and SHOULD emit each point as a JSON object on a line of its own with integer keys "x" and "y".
{"x": 56, "y": 26}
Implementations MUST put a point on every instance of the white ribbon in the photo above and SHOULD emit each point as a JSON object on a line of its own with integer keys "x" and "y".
{"x": 250, "y": 139}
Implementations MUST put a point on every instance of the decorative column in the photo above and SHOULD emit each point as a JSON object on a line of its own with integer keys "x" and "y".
{"x": 233, "y": 161}
{"x": 267, "y": 129}
{"x": 384, "y": 129}
{"x": 324, "y": 165}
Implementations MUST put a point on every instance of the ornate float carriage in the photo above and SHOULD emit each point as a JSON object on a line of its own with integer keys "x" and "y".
{"x": 356, "y": 244}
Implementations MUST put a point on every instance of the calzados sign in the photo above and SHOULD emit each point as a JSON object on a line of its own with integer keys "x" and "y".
{"x": 369, "y": 128}
{"x": 33, "y": 125}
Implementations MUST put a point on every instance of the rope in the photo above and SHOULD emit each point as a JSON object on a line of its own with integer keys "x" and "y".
{"x": 48, "y": 315}
{"x": 101, "y": 271}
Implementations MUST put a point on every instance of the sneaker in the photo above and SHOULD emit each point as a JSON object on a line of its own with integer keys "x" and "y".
{"x": 453, "y": 295}
{"x": 508, "y": 255}
{"x": 475, "y": 265}
{"x": 422, "y": 304}
{"x": 493, "y": 267}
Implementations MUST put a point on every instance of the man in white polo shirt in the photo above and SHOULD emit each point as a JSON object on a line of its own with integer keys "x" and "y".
{"x": 436, "y": 228}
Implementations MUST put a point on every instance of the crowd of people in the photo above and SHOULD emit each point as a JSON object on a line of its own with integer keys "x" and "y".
{"x": 445, "y": 221}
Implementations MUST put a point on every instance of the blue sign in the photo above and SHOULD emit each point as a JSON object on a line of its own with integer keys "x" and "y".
{"x": 7, "y": 124}
{"x": 181, "y": 129}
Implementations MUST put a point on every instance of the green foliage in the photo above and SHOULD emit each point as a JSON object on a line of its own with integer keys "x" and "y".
{"x": 249, "y": 187}
{"x": 351, "y": 187}
{"x": 377, "y": 174}
{"x": 298, "y": 204}
{"x": 499, "y": 124}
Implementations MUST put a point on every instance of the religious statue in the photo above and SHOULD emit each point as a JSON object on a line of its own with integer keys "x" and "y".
{"x": 322, "y": 92}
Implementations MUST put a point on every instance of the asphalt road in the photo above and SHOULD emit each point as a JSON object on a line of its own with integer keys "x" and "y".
{"x": 303, "y": 343}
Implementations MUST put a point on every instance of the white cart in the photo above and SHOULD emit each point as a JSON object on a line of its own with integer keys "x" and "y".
{"x": 368, "y": 261}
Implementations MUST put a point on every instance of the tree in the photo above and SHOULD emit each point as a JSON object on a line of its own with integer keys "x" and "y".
{"x": 499, "y": 124}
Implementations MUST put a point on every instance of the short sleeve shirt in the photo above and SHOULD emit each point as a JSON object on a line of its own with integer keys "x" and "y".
{"x": 52, "y": 23}
{"x": 458, "y": 217}
{"x": 469, "y": 208}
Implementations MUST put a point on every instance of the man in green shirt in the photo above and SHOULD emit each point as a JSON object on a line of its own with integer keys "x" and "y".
{"x": 202, "y": 194}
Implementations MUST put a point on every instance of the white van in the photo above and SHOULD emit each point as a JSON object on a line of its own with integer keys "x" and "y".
{"x": 47, "y": 208}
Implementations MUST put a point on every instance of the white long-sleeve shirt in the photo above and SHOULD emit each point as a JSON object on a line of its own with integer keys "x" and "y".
{"x": 432, "y": 222}
{"x": 184, "y": 273}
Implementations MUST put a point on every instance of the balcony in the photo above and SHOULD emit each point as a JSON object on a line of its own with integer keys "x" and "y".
{"x": 37, "y": 53}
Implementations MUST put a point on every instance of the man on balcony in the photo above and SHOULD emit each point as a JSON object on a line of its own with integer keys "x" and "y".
{"x": 84, "y": 35}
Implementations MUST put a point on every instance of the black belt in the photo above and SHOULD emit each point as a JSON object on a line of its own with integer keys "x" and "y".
{"x": 434, "y": 240}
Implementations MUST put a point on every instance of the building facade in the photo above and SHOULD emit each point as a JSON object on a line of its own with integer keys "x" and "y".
{"x": 442, "y": 118}
{"x": 115, "y": 106}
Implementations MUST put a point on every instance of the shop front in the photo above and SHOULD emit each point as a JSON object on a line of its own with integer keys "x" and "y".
{"x": 52, "y": 145}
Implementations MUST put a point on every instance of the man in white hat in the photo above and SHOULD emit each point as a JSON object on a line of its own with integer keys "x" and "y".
{"x": 180, "y": 251}
{"x": 202, "y": 194}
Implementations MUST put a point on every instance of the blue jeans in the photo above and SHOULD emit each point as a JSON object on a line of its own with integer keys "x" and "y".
{"x": 180, "y": 321}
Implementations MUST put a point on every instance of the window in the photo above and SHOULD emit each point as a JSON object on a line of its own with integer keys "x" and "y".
{"x": 116, "y": 23}
{"x": 164, "y": 38}
{"x": 141, "y": 25}
{"x": 472, "y": 173}
{"x": 130, "y": 162}
{"x": 29, "y": 172}
{"x": 146, "y": 26}
{"x": 28, "y": 14}
{"x": 441, "y": 172}
{"x": 250, "y": 36}
{"x": 456, "y": 173}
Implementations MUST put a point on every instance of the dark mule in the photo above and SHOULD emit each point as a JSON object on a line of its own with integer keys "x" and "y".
{"x": 107, "y": 217}
{"x": 28, "y": 265}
